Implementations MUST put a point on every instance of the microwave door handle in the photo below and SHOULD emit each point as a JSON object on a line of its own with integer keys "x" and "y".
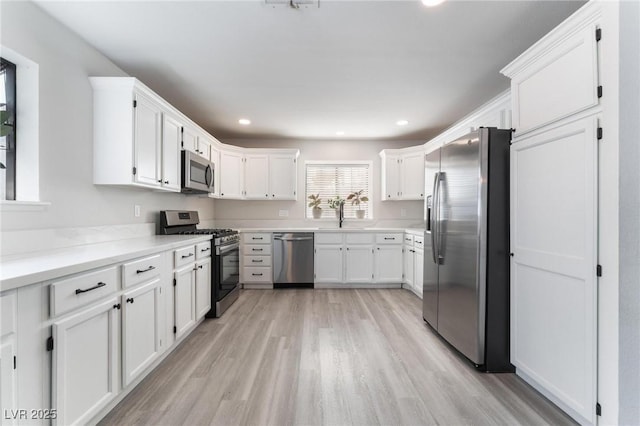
{"x": 208, "y": 176}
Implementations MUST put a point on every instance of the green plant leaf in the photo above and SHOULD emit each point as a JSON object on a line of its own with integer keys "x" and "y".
{"x": 5, "y": 130}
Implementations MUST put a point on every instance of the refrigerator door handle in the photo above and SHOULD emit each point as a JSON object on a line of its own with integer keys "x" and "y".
{"x": 439, "y": 258}
{"x": 434, "y": 213}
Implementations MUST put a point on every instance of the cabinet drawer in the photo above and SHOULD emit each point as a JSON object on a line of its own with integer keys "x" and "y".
{"x": 81, "y": 290}
{"x": 257, "y": 238}
{"x": 389, "y": 239}
{"x": 140, "y": 270}
{"x": 257, "y": 261}
{"x": 327, "y": 238}
{"x": 203, "y": 250}
{"x": 408, "y": 240}
{"x": 184, "y": 256}
{"x": 418, "y": 241}
{"x": 256, "y": 274}
{"x": 358, "y": 238}
{"x": 257, "y": 249}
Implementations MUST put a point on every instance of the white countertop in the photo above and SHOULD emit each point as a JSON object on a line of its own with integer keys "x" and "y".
{"x": 321, "y": 229}
{"x": 29, "y": 268}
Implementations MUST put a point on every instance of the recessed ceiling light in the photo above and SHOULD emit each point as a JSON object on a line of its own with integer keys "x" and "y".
{"x": 339, "y": 133}
{"x": 402, "y": 122}
{"x": 244, "y": 121}
{"x": 431, "y": 3}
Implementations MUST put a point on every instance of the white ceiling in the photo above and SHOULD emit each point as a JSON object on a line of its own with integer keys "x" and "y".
{"x": 355, "y": 66}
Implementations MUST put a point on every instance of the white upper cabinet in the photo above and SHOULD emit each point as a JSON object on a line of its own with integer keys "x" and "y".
{"x": 231, "y": 174}
{"x": 256, "y": 169}
{"x": 403, "y": 174}
{"x": 283, "y": 176}
{"x": 128, "y": 136}
{"x": 412, "y": 173}
{"x": 196, "y": 141}
{"x": 171, "y": 139}
{"x": 258, "y": 174}
{"x": 557, "y": 77}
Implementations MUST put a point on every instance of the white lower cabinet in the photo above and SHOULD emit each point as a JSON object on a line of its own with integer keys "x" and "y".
{"x": 8, "y": 352}
{"x": 418, "y": 265}
{"x": 359, "y": 264}
{"x": 357, "y": 259}
{"x": 203, "y": 287}
{"x": 184, "y": 300}
{"x": 413, "y": 263}
{"x": 85, "y": 362}
{"x": 140, "y": 329}
{"x": 328, "y": 263}
{"x": 388, "y": 262}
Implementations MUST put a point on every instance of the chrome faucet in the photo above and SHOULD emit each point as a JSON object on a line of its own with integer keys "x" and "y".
{"x": 341, "y": 213}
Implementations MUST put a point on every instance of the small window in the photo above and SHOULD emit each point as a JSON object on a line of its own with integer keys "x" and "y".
{"x": 338, "y": 179}
{"x": 7, "y": 130}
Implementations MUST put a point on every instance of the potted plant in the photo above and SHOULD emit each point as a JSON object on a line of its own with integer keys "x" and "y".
{"x": 335, "y": 203}
{"x": 357, "y": 198}
{"x": 315, "y": 205}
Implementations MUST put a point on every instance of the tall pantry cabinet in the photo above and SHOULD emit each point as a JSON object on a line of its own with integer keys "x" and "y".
{"x": 557, "y": 91}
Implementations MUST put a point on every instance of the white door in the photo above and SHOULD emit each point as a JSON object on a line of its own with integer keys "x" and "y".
{"x": 85, "y": 360}
{"x": 147, "y": 140}
{"x": 328, "y": 263}
{"x": 171, "y": 138}
{"x": 231, "y": 174}
{"x": 418, "y": 265}
{"x": 204, "y": 146}
{"x": 203, "y": 287}
{"x": 190, "y": 139}
{"x": 358, "y": 262}
{"x": 388, "y": 261}
{"x": 553, "y": 267}
{"x": 8, "y": 379}
{"x": 412, "y": 172}
{"x": 184, "y": 300}
{"x": 256, "y": 177}
{"x": 409, "y": 267}
{"x": 283, "y": 176}
{"x": 140, "y": 329}
{"x": 391, "y": 179}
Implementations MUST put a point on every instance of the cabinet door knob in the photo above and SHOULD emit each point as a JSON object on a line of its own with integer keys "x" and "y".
{"x": 159, "y": 180}
{"x": 116, "y": 306}
{"x": 130, "y": 300}
{"x": 166, "y": 182}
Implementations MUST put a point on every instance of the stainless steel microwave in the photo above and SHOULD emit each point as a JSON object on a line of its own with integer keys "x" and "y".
{"x": 197, "y": 174}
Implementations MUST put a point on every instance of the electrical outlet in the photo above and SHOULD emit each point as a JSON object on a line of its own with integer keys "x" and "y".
{"x": 283, "y": 213}
{"x": 136, "y": 210}
{"x": 403, "y": 212}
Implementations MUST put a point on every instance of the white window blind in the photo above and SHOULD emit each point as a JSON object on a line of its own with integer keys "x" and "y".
{"x": 330, "y": 180}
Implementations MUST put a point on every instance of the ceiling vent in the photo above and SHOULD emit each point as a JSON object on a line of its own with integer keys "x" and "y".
{"x": 293, "y": 4}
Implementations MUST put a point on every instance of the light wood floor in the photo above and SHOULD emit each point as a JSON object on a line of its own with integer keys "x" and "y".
{"x": 326, "y": 357}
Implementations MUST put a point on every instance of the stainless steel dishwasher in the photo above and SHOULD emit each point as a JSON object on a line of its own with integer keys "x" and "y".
{"x": 293, "y": 259}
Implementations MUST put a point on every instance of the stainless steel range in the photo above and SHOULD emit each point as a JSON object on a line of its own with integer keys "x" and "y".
{"x": 225, "y": 279}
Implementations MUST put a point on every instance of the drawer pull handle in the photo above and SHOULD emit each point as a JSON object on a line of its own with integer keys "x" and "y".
{"x": 389, "y": 238}
{"x": 187, "y": 255}
{"x": 257, "y": 275}
{"x": 205, "y": 249}
{"x": 255, "y": 249}
{"x": 257, "y": 238}
{"x": 150, "y": 268}
{"x": 100, "y": 284}
{"x": 130, "y": 300}
{"x": 257, "y": 261}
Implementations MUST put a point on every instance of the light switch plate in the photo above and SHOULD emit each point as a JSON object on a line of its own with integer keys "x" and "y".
{"x": 136, "y": 210}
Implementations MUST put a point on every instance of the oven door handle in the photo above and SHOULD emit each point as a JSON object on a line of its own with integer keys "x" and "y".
{"x": 225, "y": 249}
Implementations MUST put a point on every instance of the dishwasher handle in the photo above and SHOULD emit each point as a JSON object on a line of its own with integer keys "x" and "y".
{"x": 293, "y": 239}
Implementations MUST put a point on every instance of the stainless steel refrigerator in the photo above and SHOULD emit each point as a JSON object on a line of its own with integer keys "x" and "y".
{"x": 466, "y": 254}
